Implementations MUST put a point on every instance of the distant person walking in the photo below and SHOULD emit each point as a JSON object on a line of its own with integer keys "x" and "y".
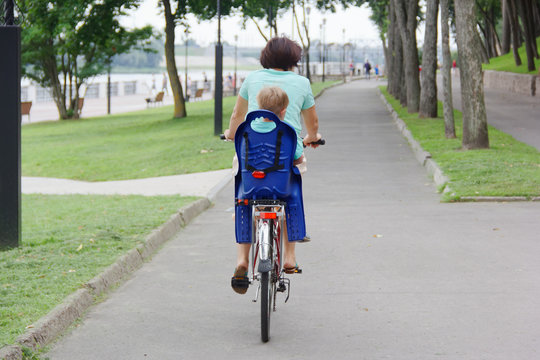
{"x": 164, "y": 87}
{"x": 367, "y": 68}
{"x": 351, "y": 69}
{"x": 377, "y": 72}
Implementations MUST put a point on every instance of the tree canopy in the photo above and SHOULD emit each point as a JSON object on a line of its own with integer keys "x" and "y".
{"x": 65, "y": 42}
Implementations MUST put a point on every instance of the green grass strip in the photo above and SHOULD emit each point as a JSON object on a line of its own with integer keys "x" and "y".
{"x": 507, "y": 63}
{"x": 133, "y": 145}
{"x": 68, "y": 240}
{"x": 508, "y": 168}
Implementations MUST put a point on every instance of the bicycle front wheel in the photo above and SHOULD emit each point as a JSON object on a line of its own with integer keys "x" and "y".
{"x": 267, "y": 298}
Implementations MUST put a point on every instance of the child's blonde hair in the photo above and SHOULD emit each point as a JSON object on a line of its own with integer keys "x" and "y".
{"x": 272, "y": 98}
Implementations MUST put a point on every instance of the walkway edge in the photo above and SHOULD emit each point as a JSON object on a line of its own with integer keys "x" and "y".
{"x": 433, "y": 169}
{"x": 52, "y": 325}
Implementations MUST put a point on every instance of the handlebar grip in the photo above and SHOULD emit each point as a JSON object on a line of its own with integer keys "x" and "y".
{"x": 318, "y": 142}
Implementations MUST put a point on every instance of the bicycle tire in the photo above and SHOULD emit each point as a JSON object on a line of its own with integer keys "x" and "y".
{"x": 267, "y": 298}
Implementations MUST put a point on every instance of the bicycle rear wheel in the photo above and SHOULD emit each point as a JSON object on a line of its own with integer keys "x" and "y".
{"x": 267, "y": 298}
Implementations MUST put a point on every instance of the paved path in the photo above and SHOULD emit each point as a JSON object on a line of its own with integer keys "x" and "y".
{"x": 198, "y": 184}
{"x": 391, "y": 272}
{"x": 515, "y": 114}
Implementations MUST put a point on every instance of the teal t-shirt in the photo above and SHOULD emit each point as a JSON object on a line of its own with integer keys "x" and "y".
{"x": 298, "y": 90}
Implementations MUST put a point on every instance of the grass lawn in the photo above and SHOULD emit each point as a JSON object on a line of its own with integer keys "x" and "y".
{"x": 506, "y": 62}
{"x": 67, "y": 240}
{"x": 133, "y": 145}
{"x": 507, "y": 168}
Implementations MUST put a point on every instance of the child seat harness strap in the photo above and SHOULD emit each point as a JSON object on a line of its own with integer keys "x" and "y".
{"x": 276, "y": 165}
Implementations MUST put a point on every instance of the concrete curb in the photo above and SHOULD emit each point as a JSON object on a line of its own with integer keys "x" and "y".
{"x": 433, "y": 168}
{"x": 49, "y": 327}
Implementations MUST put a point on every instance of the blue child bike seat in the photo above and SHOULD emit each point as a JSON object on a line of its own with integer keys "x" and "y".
{"x": 266, "y": 172}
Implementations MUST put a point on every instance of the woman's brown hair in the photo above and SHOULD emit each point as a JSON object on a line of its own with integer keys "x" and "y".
{"x": 280, "y": 53}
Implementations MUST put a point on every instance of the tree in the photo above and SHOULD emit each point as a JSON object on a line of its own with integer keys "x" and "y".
{"x": 475, "y": 131}
{"x": 303, "y": 31}
{"x": 255, "y": 10}
{"x": 526, "y": 10}
{"x": 511, "y": 11}
{"x": 448, "y": 106}
{"x": 428, "y": 76}
{"x": 406, "y": 15}
{"x": 66, "y": 42}
{"x": 203, "y": 9}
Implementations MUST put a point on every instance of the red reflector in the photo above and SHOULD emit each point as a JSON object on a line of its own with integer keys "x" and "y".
{"x": 268, "y": 215}
{"x": 258, "y": 174}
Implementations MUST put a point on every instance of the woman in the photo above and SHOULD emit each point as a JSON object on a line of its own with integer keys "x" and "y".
{"x": 279, "y": 58}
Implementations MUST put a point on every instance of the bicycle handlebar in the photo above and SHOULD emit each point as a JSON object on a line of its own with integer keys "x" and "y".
{"x": 318, "y": 142}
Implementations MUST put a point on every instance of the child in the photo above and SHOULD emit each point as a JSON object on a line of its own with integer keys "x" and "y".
{"x": 273, "y": 99}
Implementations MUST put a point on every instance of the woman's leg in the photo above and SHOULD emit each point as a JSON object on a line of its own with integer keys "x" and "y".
{"x": 242, "y": 259}
{"x": 289, "y": 247}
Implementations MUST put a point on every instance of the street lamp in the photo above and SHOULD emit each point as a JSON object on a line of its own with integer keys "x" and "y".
{"x": 235, "y": 62}
{"x": 323, "y": 46}
{"x": 186, "y": 33}
{"x": 218, "y": 88}
{"x": 10, "y": 128}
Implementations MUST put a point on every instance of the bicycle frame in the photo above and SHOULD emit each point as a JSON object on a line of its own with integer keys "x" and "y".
{"x": 267, "y": 242}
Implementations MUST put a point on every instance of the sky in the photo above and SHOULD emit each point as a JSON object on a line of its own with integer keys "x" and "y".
{"x": 355, "y": 21}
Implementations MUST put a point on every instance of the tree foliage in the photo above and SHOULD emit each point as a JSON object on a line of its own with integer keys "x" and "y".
{"x": 66, "y": 42}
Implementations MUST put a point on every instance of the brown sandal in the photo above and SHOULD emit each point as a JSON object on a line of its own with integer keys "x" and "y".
{"x": 240, "y": 280}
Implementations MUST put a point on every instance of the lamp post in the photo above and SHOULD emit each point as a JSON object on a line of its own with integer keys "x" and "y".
{"x": 186, "y": 33}
{"x": 235, "y": 62}
{"x": 306, "y": 56}
{"x": 218, "y": 89}
{"x": 10, "y": 129}
{"x": 323, "y": 47}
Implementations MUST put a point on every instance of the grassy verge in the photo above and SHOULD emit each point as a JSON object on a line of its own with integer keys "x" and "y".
{"x": 317, "y": 87}
{"x": 507, "y": 168}
{"x": 134, "y": 145}
{"x": 67, "y": 240}
{"x": 506, "y": 62}
{"x": 127, "y": 146}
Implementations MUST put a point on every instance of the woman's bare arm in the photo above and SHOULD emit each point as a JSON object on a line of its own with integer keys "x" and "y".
{"x": 311, "y": 121}
{"x": 237, "y": 117}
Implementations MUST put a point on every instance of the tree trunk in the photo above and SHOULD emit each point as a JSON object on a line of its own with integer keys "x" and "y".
{"x": 448, "y": 106}
{"x": 406, "y": 12}
{"x": 50, "y": 67}
{"x": 390, "y": 61}
{"x": 428, "y": 89}
{"x": 514, "y": 29}
{"x": 527, "y": 19}
{"x": 399, "y": 88}
{"x": 475, "y": 131}
{"x": 506, "y": 32}
{"x": 176, "y": 86}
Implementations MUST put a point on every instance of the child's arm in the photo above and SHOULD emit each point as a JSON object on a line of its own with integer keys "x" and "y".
{"x": 311, "y": 120}
{"x": 238, "y": 115}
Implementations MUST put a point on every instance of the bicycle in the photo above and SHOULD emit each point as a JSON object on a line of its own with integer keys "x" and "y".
{"x": 267, "y": 191}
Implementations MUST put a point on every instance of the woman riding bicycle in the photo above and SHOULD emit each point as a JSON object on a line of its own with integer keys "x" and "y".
{"x": 279, "y": 58}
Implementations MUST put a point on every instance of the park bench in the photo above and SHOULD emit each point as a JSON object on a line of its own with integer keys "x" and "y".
{"x": 25, "y": 108}
{"x": 198, "y": 94}
{"x": 155, "y": 100}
